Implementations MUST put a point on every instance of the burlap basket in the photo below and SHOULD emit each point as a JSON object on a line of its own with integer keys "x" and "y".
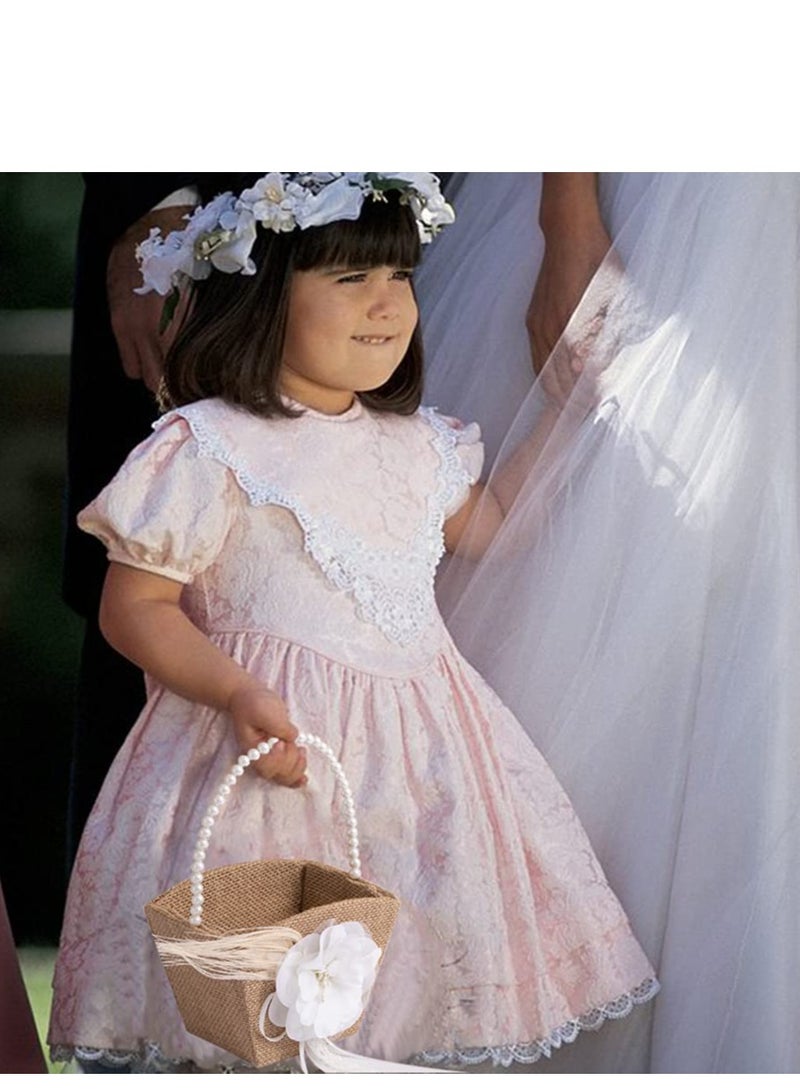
{"x": 299, "y": 894}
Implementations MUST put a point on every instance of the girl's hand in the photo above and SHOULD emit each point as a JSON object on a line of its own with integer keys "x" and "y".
{"x": 258, "y": 714}
{"x": 141, "y": 616}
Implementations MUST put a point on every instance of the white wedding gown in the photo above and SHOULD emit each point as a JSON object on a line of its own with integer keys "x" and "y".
{"x": 640, "y": 608}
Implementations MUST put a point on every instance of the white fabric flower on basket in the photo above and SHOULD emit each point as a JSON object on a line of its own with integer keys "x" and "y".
{"x": 324, "y": 981}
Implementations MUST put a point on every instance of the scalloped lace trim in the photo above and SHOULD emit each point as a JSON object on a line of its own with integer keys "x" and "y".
{"x": 531, "y": 1052}
{"x": 393, "y": 589}
{"x": 151, "y": 1059}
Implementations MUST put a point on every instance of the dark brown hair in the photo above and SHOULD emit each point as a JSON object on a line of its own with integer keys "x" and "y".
{"x": 231, "y": 344}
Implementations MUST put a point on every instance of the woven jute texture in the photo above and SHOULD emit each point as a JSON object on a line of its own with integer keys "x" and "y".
{"x": 298, "y": 894}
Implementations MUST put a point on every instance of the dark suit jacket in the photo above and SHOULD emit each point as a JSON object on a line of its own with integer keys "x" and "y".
{"x": 108, "y": 413}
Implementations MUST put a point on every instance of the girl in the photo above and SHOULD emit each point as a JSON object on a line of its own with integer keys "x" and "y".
{"x": 273, "y": 549}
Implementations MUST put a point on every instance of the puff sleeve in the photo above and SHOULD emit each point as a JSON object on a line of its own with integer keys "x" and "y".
{"x": 168, "y": 510}
{"x": 463, "y": 453}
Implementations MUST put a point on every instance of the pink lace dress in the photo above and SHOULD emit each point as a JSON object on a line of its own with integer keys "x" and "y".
{"x": 308, "y": 549}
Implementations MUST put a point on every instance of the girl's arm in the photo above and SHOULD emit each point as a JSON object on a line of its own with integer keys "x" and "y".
{"x": 487, "y": 505}
{"x": 140, "y": 616}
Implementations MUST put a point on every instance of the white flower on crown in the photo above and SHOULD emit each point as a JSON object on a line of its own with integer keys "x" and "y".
{"x": 427, "y": 202}
{"x": 238, "y": 234}
{"x": 202, "y": 245}
{"x": 426, "y": 184}
{"x": 221, "y": 234}
{"x": 158, "y": 261}
{"x": 324, "y": 981}
{"x": 338, "y": 199}
{"x": 269, "y": 203}
{"x": 431, "y": 216}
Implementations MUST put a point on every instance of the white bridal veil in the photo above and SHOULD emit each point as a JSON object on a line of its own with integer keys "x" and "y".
{"x": 640, "y": 608}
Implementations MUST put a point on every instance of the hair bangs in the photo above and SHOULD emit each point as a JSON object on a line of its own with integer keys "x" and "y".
{"x": 232, "y": 339}
{"x": 384, "y": 234}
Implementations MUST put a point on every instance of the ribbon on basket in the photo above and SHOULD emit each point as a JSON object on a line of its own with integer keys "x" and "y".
{"x": 320, "y": 955}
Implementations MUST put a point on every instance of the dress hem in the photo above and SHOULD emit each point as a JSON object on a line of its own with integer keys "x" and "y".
{"x": 149, "y": 1057}
{"x": 531, "y": 1052}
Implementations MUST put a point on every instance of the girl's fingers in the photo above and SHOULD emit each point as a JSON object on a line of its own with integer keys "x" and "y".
{"x": 285, "y": 764}
{"x": 294, "y": 776}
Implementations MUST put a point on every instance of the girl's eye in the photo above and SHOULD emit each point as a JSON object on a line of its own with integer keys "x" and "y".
{"x": 360, "y": 278}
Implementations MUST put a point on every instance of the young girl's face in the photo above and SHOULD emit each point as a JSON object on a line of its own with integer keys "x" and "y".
{"x": 347, "y": 331}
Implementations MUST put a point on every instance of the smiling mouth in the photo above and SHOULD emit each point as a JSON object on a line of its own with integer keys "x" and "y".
{"x": 373, "y": 340}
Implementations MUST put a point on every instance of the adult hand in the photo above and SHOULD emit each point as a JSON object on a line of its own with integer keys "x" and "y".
{"x": 135, "y": 319}
{"x": 258, "y": 714}
{"x": 576, "y": 243}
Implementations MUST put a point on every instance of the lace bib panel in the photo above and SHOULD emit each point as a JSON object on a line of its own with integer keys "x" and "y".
{"x": 391, "y": 481}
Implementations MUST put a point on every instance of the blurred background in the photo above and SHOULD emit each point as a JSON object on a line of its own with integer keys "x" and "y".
{"x": 39, "y": 636}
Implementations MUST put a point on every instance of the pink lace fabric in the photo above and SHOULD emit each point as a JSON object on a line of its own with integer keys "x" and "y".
{"x": 509, "y": 939}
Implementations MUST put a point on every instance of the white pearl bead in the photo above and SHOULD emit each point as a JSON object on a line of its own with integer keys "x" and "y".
{"x": 207, "y": 823}
{"x": 230, "y": 780}
{"x": 195, "y": 920}
{"x": 253, "y": 754}
{"x": 237, "y": 772}
{"x": 213, "y": 810}
{"x": 225, "y": 790}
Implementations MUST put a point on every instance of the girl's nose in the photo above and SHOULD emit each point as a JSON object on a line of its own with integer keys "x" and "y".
{"x": 383, "y": 304}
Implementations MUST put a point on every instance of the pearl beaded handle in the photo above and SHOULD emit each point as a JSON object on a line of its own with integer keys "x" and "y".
{"x": 221, "y": 797}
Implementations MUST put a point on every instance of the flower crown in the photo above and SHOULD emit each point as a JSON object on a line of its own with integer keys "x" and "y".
{"x": 221, "y": 234}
